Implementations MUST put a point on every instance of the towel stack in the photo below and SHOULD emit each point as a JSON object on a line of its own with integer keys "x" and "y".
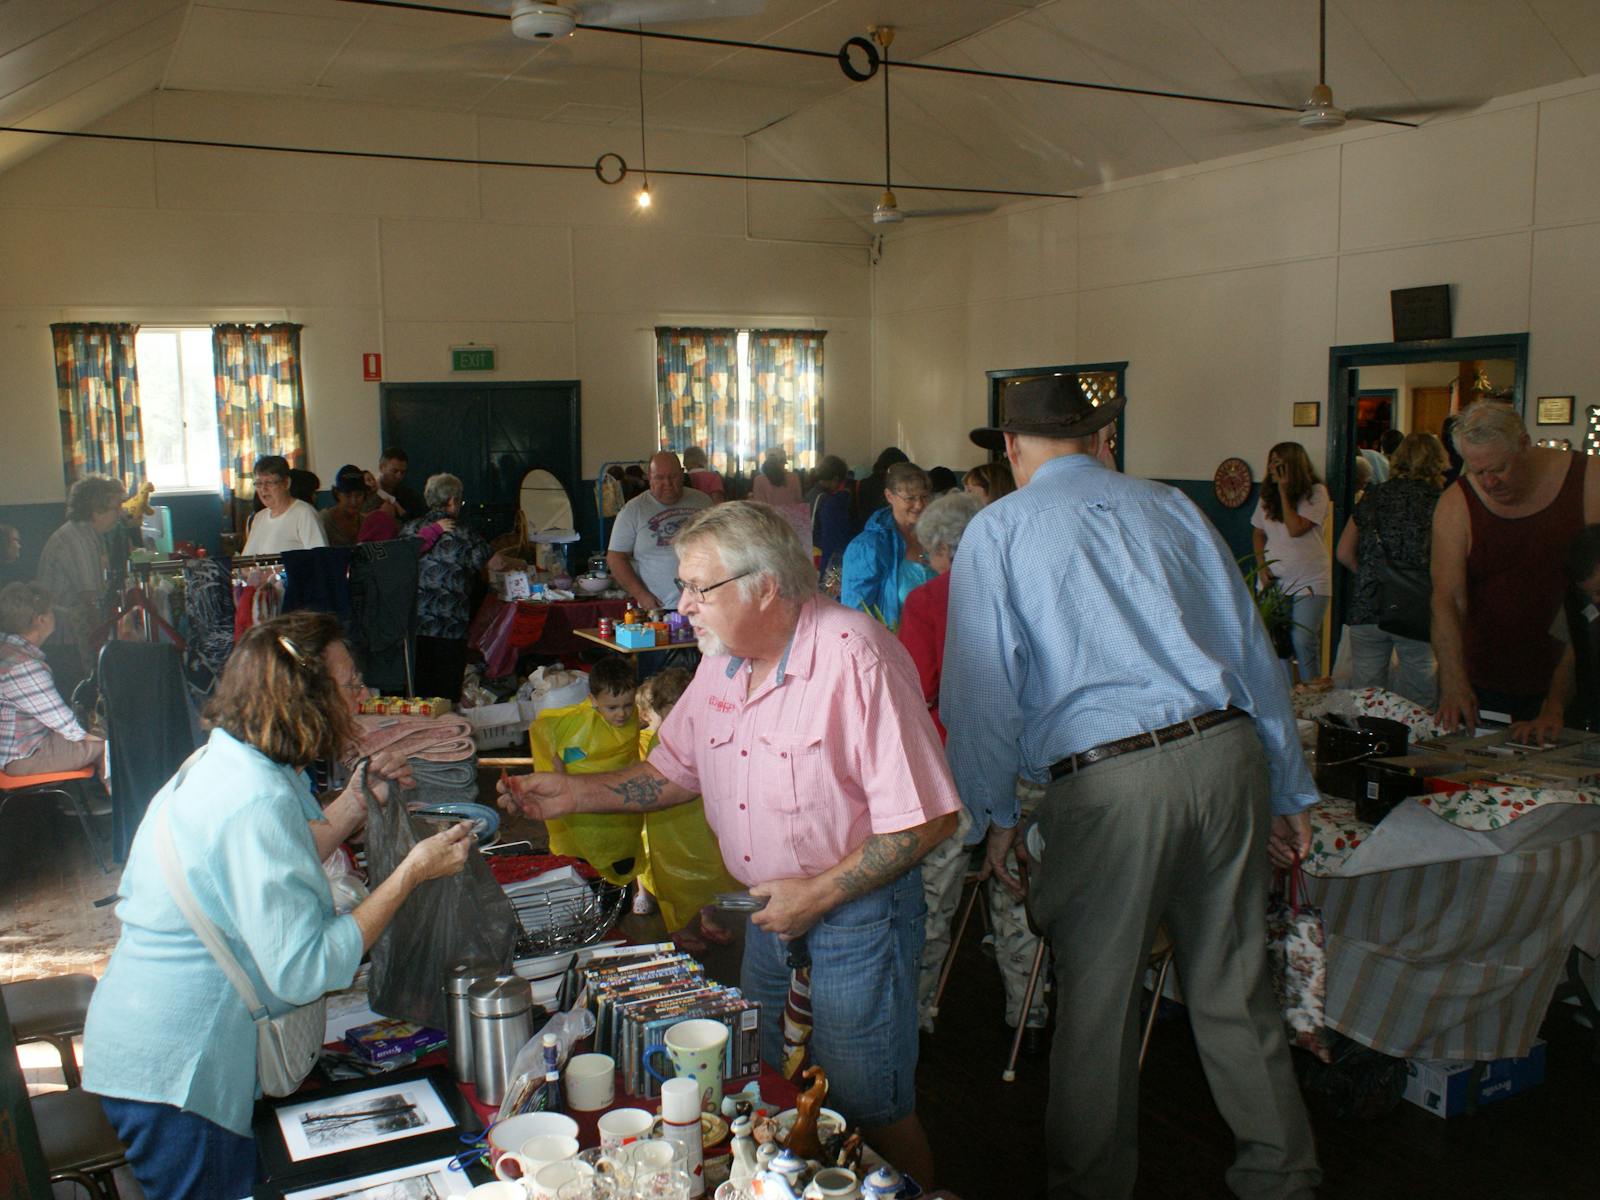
{"x": 440, "y": 751}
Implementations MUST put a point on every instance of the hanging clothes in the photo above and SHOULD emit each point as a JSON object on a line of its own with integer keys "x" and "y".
{"x": 208, "y": 605}
{"x": 319, "y": 580}
{"x": 382, "y": 585}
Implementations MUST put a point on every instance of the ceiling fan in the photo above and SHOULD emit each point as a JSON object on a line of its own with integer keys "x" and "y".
{"x": 1318, "y": 111}
{"x": 537, "y": 22}
{"x": 887, "y": 211}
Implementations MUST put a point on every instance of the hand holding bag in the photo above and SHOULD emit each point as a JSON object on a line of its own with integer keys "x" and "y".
{"x": 286, "y": 1046}
{"x": 1298, "y": 958}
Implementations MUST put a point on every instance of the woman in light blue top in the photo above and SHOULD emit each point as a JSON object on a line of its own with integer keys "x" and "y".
{"x": 168, "y": 1044}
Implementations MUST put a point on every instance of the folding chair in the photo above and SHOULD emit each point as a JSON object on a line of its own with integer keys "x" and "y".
{"x": 65, "y": 784}
{"x": 51, "y": 1010}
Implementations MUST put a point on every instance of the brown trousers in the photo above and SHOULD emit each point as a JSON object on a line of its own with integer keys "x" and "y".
{"x": 56, "y": 754}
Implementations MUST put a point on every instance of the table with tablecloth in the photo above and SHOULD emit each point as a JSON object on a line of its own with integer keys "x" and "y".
{"x": 560, "y": 638}
{"x": 1450, "y": 922}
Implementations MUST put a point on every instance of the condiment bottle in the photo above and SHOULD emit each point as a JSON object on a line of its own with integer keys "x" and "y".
{"x": 680, "y": 1124}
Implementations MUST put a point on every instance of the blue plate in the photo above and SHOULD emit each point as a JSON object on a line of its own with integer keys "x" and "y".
{"x": 485, "y": 821}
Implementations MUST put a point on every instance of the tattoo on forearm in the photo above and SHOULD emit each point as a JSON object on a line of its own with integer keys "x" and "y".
{"x": 639, "y": 791}
{"x": 884, "y": 856}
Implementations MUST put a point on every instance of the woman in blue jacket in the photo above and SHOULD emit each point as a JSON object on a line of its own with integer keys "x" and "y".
{"x": 885, "y": 561}
{"x": 168, "y": 1045}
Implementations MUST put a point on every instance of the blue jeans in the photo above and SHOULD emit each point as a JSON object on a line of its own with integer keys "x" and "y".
{"x": 177, "y": 1155}
{"x": 864, "y": 958}
{"x": 1307, "y": 634}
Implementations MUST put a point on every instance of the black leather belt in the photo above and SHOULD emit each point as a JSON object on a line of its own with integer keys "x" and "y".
{"x": 1143, "y": 741}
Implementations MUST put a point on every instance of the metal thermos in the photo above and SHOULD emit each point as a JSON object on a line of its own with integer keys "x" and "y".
{"x": 501, "y": 1011}
{"x": 458, "y": 977}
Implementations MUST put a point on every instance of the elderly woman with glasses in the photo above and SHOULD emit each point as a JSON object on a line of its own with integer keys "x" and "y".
{"x": 285, "y": 523}
{"x": 885, "y": 561}
{"x": 169, "y": 1046}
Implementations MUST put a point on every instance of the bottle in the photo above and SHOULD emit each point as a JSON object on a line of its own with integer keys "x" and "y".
{"x": 680, "y": 1124}
{"x": 549, "y": 1097}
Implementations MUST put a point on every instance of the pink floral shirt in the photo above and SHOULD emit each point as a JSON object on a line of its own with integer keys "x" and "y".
{"x": 835, "y": 746}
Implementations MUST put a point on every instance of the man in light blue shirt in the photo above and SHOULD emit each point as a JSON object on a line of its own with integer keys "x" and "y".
{"x": 1101, "y": 640}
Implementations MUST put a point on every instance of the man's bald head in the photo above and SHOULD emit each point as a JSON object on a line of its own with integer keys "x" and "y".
{"x": 666, "y": 477}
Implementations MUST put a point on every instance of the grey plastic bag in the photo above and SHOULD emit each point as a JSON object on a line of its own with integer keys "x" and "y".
{"x": 463, "y": 916}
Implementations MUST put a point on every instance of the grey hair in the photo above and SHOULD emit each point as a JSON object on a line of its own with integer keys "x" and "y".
{"x": 92, "y": 495}
{"x": 756, "y": 541}
{"x": 900, "y": 474}
{"x": 440, "y": 490}
{"x": 1487, "y": 422}
{"x": 944, "y": 521}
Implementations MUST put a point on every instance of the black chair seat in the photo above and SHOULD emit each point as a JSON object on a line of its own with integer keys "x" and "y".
{"x": 75, "y": 1133}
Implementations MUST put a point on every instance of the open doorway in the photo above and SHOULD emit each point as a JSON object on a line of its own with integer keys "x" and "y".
{"x": 1411, "y": 387}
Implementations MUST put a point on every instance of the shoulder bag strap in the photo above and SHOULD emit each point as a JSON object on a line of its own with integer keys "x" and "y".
{"x": 209, "y": 935}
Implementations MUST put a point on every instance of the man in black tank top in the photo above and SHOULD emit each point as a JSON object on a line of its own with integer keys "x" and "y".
{"x": 1573, "y": 701}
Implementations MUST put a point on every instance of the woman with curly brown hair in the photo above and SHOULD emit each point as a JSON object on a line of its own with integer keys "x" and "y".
{"x": 169, "y": 1045}
{"x": 1287, "y": 537}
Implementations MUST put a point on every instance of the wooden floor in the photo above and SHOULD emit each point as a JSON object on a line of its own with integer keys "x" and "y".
{"x": 988, "y": 1135}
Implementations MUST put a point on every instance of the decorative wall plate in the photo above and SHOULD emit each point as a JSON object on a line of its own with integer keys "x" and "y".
{"x": 1232, "y": 482}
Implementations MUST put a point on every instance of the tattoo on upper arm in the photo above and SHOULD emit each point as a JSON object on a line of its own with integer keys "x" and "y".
{"x": 639, "y": 791}
{"x": 884, "y": 857}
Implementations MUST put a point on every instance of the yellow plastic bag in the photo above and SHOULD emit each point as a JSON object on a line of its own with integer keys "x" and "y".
{"x": 583, "y": 742}
{"x": 682, "y": 861}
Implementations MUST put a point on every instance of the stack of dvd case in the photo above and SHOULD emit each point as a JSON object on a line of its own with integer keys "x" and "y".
{"x": 637, "y": 993}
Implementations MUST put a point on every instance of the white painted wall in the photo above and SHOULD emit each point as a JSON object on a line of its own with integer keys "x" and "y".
{"x": 1225, "y": 285}
{"x": 565, "y": 276}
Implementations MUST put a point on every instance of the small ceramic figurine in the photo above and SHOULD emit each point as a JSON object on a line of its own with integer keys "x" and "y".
{"x": 744, "y": 1166}
{"x": 788, "y": 1164}
{"x": 803, "y": 1139}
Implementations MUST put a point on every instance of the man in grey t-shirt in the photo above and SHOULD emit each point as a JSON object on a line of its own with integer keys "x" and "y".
{"x": 640, "y": 555}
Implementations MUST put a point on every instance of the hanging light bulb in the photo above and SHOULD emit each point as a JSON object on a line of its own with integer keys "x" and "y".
{"x": 643, "y": 199}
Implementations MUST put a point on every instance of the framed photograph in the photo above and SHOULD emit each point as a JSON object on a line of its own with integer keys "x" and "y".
{"x": 431, "y": 1180}
{"x": 1308, "y": 412}
{"x": 1554, "y": 410}
{"x": 361, "y": 1126}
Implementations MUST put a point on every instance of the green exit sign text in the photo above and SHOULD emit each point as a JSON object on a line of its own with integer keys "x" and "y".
{"x": 472, "y": 358}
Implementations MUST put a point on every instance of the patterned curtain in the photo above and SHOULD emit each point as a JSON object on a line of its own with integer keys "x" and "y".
{"x": 97, "y": 390}
{"x": 786, "y": 370}
{"x": 260, "y": 406}
{"x": 697, "y": 393}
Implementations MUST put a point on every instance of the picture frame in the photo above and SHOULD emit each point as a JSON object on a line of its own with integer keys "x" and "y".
{"x": 361, "y": 1126}
{"x": 430, "y": 1179}
{"x": 1307, "y": 413}
{"x": 1554, "y": 410}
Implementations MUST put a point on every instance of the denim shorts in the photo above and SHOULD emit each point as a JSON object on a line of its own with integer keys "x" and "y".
{"x": 864, "y": 961}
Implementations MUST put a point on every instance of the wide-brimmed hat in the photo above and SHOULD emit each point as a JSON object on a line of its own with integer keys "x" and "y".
{"x": 1051, "y": 406}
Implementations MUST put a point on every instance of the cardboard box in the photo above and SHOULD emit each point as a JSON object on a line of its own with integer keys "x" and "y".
{"x": 1445, "y": 1087}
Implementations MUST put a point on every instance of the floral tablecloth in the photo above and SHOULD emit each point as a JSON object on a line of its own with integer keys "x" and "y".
{"x": 1336, "y": 830}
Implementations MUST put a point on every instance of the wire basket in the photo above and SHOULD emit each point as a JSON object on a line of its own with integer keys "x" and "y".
{"x": 568, "y": 920}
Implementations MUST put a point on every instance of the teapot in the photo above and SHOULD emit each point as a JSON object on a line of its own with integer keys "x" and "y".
{"x": 885, "y": 1183}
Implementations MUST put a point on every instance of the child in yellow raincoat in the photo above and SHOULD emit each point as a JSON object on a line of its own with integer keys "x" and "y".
{"x": 600, "y": 734}
{"x": 683, "y": 863}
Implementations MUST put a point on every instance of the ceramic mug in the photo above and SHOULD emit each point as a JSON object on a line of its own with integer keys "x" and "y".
{"x": 538, "y": 1151}
{"x": 696, "y": 1049}
{"x": 508, "y": 1135}
{"x": 498, "y": 1190}
{"x": 591, "y": 1082}
{"x": 833, "y": 1183}
{"x": 621, "y": 1126}
{"x": 552, "y": 1177}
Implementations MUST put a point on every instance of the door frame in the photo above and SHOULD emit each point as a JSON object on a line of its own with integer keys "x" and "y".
{"x": 1344, "y": 365}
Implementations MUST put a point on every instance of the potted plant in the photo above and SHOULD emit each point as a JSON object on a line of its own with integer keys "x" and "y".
{"x": 1273, "y": 604}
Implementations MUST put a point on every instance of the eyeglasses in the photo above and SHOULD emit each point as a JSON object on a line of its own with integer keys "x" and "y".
{"x": 698, "y": 594}
{"x": 915, "y": 497}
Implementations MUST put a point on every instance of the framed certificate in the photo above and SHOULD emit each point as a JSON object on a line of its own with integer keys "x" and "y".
{"x": 1554, "y": 410}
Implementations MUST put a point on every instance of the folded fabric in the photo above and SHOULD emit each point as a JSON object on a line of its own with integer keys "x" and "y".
{"x": 432, "y": 739}
{"x": 446, "y": 776}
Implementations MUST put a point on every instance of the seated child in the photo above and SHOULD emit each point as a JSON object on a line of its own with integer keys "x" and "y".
{"x": 683, "y": 863}
{"x": 600, "y": 734}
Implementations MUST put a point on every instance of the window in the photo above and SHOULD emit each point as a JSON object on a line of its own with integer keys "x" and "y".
{"x": 739, "y": 392}
{"x": 178, "y": 395}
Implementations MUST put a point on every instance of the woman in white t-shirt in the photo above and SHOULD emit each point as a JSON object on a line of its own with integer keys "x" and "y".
{"x": 285, "y": 523}
{"x": 1289, "y": 547}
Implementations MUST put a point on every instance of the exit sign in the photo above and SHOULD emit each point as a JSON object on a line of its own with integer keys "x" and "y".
{"x": 472, "y": 358}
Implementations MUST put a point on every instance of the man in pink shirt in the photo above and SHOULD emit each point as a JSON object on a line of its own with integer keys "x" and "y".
{"x": 806, "y": 732}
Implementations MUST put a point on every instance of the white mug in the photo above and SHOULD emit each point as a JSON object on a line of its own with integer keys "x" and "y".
{"x": 508, "y": 1135}
{"x": 621, "y": 1126}
{"x": 548, "y": 1180}
{"x": 591, "y": 1082}
{"x": 538, "y": 1151}
{"x": 498, "y": 1190}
